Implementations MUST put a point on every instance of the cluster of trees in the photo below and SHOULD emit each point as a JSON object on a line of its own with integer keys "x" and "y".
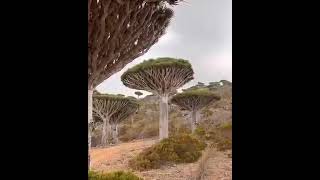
{"x": 120, "y": 31}
{"x": 162, "y": 77}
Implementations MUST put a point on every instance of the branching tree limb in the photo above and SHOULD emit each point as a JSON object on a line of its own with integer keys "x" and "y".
{"x": 105, "y": 107}
{"x": 122, "y": 115}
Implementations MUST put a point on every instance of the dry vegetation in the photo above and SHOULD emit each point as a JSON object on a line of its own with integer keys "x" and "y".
{"x": 181, "y": 157}
{"x": 212, "y": 165}
{"x": 117, "y": 175}
{"x": 175, "y": 149}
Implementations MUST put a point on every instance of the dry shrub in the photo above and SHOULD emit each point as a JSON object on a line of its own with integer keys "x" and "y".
{"x": 181, "y": 148}
{"x": 219, "y": 137}
{"x": 139, "y": 130}
{"x": 117, "y": 175}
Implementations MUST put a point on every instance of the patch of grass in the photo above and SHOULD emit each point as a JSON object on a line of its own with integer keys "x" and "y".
{"x": 117, "y": 175}
{"x": 181, "y": 148}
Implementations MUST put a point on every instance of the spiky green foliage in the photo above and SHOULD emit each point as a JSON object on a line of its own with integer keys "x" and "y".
{"x": 115, "y": 98}
{"x": 117, "y": 175}
{"x": 195, "y": 99}
{"x": 163, "y": 62}
{"x": 159, "y": 76}
{"x": 109, "y": 96}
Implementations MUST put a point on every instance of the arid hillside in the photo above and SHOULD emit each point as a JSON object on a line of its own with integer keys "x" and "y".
{"x": 145, "y": 123}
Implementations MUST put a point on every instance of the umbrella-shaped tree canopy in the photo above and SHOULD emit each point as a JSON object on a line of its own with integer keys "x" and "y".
{"x": 107, "y": 107}
{"x": 162, "y": 77}
{"x": 193, "y": 101}
{"x": 159, "y": 76}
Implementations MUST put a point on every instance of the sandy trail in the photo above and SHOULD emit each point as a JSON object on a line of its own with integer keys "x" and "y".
{"x": 218, "y": 166}
{"x": 117, "y": 157}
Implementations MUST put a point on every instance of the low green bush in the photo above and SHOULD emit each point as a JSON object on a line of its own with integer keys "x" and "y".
{"x": 200, "y": 133}
{"x": 181, "y": 148}
{"x": 117, "y": 175}
{"x": 147, "y": 159}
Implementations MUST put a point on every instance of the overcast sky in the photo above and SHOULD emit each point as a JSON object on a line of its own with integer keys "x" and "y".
{"x": 201, "y": 32}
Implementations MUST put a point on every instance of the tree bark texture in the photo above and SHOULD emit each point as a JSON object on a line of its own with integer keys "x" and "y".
{"x": 194, "y": 120}
{"x": 163, "y": 122}
{"x": 106, "y": 130}
{"x": 115, "y": 133}
{"x": 90, "y": 117}
{"x": 132, "y": 120}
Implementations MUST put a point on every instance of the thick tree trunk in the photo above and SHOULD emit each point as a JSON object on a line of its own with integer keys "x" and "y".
{"x": 198, "y": 114}
{"x": 90, "y": 117}
{"x": 115, "y": 133}
{"x": 105, "y": 132}
{"x": 194, "y": 120}
{"x": 163, "y": 122}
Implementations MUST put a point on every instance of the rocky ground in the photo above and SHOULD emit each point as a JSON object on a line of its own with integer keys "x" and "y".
{"x": 217, "y": 165}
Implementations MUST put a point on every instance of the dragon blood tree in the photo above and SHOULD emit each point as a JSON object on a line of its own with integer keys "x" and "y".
{"x": 194, "y": 101}
{"x": 118, "y": 32}
{"x": 162, "y": 77}
{"x": 122, "y": 115}
{"x": 105, "y": 106}
{"x": 138, "y": 93}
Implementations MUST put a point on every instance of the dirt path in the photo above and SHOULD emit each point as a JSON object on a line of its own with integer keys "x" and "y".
{"x": 218, "y": 166}
{"x": 117, "y": 157}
